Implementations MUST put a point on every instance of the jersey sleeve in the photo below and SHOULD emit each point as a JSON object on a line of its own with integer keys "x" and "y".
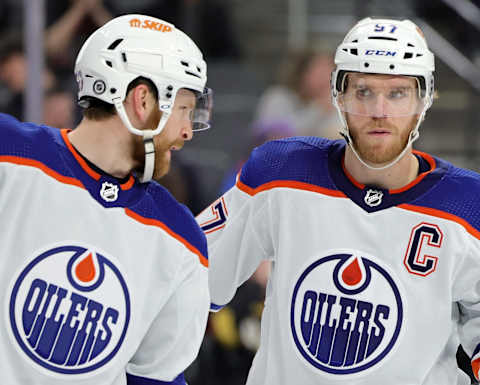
{"x": 174, "y": 337}
{"x": 467, "y": 296}
{"x": 237, "y": 227}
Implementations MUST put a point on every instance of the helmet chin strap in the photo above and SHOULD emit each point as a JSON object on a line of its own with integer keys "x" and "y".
{"x": 147, "y": 135}
{"x": 412, "y": 137}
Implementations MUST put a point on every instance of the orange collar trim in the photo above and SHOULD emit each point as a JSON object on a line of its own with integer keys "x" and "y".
{"x": 350, "y": 177}
{"x": 414, "y": 182}
{"x": 92, "y": 173}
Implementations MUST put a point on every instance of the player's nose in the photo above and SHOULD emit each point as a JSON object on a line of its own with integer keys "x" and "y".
{"x": 379, "y": 107}
{"x": 187, "y": 130}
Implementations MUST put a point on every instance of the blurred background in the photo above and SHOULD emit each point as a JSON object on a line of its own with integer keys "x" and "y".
{"x": 269, "y": 65}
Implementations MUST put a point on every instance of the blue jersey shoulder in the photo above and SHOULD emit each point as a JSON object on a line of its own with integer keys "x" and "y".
{"x": 456, "y": 194}
{"x": 300, "y": 159}
{"x": 160, "y": 205}
{"x": 30, "y": 141}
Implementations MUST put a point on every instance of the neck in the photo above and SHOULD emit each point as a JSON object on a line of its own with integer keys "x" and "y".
{"x": 107, "y": 144}
{"x": 397, "y": 176}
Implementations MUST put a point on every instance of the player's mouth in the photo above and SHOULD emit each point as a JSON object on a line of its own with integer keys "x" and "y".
{"x": 378, "y": 132}
{"x": 176, "y": 147}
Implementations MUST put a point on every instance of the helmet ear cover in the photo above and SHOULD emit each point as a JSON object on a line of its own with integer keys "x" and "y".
{"x": 97, "y": 109}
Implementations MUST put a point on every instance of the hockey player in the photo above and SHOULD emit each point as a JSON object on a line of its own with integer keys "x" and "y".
{"x": 375, "y": 247}
{"x": 103, "y": 276}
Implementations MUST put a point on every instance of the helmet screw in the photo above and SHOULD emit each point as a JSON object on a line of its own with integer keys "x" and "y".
{"x": 170, "y": 88}
{"x": 392, "y": 66}
{"x": 113, "y": 90}
{"x": 366, "y": 65}
{"x": 168, "y": 95}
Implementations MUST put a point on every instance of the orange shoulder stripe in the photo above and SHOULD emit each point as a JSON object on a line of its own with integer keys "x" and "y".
{"x": 155, "y": 222}
{"x": 442, "y": 214}
{"x": 41, "y": 166}
{"x": 289, "y": 184}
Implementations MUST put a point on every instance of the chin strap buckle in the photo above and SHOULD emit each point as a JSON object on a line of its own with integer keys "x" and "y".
{"x": 149, "y": 156}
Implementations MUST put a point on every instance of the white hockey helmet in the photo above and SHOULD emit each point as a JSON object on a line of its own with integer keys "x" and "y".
{"x": 133, "y": 46}
{"x": 384, "y": 46}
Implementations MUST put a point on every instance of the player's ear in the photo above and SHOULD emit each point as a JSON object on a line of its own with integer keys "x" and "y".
{"x": 142, "y": 101}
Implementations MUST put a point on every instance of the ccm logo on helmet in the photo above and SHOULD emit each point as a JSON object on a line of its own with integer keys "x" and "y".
{"x": 153, "y": 25}
{"x": 380, "y": 52}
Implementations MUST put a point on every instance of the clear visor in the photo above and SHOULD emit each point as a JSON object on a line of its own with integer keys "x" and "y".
{"x": 201, "y": 115}
{"x": 394, "y": 96}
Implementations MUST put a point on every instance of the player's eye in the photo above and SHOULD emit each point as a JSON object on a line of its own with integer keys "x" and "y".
{"x": 363, "y": 93}
{"x": 398, "y": 93}
{"x": 187, "y": 111}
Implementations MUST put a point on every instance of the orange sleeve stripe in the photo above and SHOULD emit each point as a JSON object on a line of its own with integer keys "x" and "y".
{"x": 289, "y": 184}
{"x": 157, "y": 223}
{"x": 41, "y": 166}
{"x": 442, "y": 214}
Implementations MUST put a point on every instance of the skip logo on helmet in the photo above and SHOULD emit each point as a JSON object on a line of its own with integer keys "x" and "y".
{"x": 69, "y": 310}
{"x": 150, "y": 24}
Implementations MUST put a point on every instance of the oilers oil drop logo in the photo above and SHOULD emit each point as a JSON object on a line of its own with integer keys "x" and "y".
{"x": 69, "y": 310}
{"x": 346, "y": 314}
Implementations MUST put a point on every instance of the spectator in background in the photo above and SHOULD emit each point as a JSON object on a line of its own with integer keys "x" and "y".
{"x": 13, "y": 75}
{"x": 233, "y": 336}
{"x": 208, "y": 21}
{"x": 302, "y": 96}
{"x": 261, "y": 131}
{"x": 68, "y": 25}
{"x": 59, "y": 109}
{"x": 184, "y": 185}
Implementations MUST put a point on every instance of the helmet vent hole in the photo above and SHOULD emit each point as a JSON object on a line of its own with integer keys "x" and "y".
{"x": 199, "y": 69}
{"x": 354, "y": 51}
{"x": 408, "y": 55}
{"x": 185, "y": 64}
{"x": 115, "y": 44}
{"x": 392, "y": 67}
{"x": 109, "y": 63}
{"x": 410, "y": 45}
{"x": 344, "y": 49}
{"x": 381, "y": 38}
{"x": 355, "y": 41}
{"x": 193, "y": 74}
{"x": 419, "y": 54}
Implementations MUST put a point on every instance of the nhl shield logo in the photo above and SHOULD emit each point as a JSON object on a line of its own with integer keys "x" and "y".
{"x": 69, "y": 310}
{"x": 109, "y": 192}
{"x": 346, "y": 314}
{"x": 373, "y": 198}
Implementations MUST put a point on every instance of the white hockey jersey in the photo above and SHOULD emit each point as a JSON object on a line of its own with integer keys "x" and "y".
{"x": 101, "y": 283}
{"x": 368, "y": 286}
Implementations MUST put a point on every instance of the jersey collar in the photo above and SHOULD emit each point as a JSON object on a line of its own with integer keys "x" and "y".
{"x": 372, "y": 198}
{"x": 105, "y": 188}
